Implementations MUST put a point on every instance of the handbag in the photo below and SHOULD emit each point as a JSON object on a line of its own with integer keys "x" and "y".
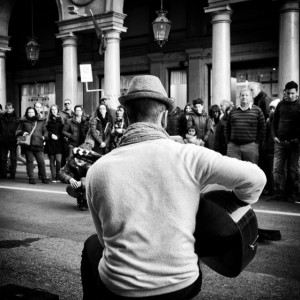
{"x": 25, "y": 139}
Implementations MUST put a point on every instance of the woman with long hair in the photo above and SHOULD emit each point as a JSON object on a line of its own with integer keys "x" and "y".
{"x": 31, "y": 123}
{"x": 54, "y": 126}
{"x": 100, "y": 129}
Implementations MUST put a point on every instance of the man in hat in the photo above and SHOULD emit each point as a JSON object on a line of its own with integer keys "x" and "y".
{"x": 144, "y": 197}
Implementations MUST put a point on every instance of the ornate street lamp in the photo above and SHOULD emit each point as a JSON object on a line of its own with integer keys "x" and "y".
{"x": 161, "y": 26}
{"x": 32, "y": 47}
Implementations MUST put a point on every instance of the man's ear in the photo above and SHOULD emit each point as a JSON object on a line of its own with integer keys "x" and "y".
{"x": 164, "y": 119}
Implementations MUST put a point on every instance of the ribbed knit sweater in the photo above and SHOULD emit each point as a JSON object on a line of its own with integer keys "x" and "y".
{"x": 245, "y": 126}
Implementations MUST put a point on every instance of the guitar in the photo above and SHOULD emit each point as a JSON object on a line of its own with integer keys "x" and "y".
{"x": 226, "y": 232}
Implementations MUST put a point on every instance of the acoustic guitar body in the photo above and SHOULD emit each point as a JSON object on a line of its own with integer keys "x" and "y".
{"x": 226, "y": 232}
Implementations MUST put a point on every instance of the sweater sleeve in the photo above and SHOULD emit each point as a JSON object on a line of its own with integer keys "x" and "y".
{"x": 246, "y": 179}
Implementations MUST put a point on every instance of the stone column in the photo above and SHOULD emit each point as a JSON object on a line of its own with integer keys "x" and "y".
{"x": 70, "y": 68}
{"x": 288, "y": 44}
{"x": 221, "y": 72}
{"x": 112, "y": 68}
{"x": 3, "y": 99}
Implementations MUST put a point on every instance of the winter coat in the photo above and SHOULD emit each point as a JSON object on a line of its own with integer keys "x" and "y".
{"x": 75, "y": 132}
{"x": 67, "y": 115}
{"x": 38, "y": 136}
{"x": 55, "y": 126}
{"x": 173, "y": 125}
{"x": 8, "y": 126}
{"x": 262, "y": 100}
{"x": 101, "y": 133}
{"x": 202, "y": 124}
{"x": 220, "y": 144}
{"x": 186, "y": 121}
{"x": 72, "y": 170}
{"x": 116, "y": 136}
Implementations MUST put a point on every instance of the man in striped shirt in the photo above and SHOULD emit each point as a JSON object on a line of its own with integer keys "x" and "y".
{"x": 245, "y": 129}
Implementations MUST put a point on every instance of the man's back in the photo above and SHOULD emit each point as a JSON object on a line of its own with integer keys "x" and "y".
{"x": 146, "y": 196}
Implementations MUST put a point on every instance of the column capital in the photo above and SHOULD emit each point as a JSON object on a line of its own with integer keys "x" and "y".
{"x": 220, "y": 14}
{"x": 4, "y": 40}
{"x": 288, "y": 6}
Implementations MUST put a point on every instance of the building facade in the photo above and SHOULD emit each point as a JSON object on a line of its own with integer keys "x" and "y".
{"x": 214, "y": 49}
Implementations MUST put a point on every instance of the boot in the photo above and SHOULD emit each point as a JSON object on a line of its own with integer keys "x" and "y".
{"x": 45, "y": 180}
{"x": 32, "y": 181}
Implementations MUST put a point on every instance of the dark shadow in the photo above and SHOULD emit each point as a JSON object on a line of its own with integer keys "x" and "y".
{"x": 17, "y": 243}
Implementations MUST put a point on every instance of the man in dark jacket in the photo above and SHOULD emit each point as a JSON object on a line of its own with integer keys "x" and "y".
{"x": 286, "y": 132}
{"x": 260, "y": 98}
{"x": 8, "y": 125}
{"x": 173, "y": 127}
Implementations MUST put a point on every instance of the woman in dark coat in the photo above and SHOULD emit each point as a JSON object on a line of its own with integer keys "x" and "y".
{"x": 35, "y": 150}
{"x": 186, "y": 120}
{"x": 100, "y": 129}
{"x": 54, "y": 126}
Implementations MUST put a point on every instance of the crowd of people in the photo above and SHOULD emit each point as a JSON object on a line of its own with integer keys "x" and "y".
{"x": 255, "y": 131}
{"x": 56, "y": 133}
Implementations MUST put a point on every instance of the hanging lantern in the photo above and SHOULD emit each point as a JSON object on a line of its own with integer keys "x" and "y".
{"x": 32, "y": 50}
{"x": 161, "y": 27}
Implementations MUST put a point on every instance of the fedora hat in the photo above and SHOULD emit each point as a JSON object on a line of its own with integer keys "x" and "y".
{"x": 147, "y": 86}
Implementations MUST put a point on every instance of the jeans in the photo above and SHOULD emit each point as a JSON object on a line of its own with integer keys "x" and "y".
{"x": 286, "y": 154}
{"x": 94, "y": 288}
{"x": 55, "y": 164}
{"x": 246, "y": 152}
{"x": 39, "y": 156}
{"x": 4, "y": 148}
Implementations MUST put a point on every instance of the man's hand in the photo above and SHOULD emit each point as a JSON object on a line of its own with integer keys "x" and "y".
{"x": 74, "y": 183}
{"x": 102, "y": 145}
{"x": 276, "y": 140}
{"x": 54, "y": 136}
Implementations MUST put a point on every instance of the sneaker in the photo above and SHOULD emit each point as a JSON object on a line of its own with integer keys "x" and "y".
{"x": 32, "y": 181}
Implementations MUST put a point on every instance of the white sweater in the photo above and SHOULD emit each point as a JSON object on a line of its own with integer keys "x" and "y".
{"x": 144, "y": 198}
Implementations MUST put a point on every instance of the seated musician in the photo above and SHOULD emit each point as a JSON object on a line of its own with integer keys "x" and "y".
{"x": 144, "y": 196}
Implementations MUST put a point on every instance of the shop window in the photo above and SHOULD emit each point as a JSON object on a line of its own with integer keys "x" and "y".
{"x": 38, "y": 92}
{"x": 178, "y": 87}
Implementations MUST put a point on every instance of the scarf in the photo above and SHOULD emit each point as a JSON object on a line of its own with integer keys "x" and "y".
{"x": 141, "y": 132}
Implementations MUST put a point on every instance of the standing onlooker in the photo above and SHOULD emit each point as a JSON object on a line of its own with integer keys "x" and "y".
{"x": 8, "y": 143}
{"x": 223, "y": 106}
{"x": 75, "y": 129}
{"x": 186, "y": 120}
{"x": 100, "y": 129}
{"x": 32, "y": 123}
{"x": 67, "y": 113}
{"x": 39, "y": 109}
{"x": 54, "y": 126}
{"x": 120, "y": 125}
{"x": 200, "y": 120}
{"x": 173, "y": 124}
{"x": 267, "y": 152}
{"x": 286, "y": 130}
{"x": 245, "y": 129}
{"x": 220, "y": 144}
{"x": 110, "y": 111}
{"x": 213, "y": 120}
{"x": 260, "y": 98}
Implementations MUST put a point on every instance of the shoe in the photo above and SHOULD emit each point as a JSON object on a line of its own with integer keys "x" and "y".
{"x": 81, "y": 204}
{"x": 45, "y": 180}
{"x": 57, "y": 179}
{"x": 3, "y": 176}
{"x": 32, "y": 181}
{"x": 53, "y": 180}
{"x": 12, "y": 176}
{"x": 291, "y": 199}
